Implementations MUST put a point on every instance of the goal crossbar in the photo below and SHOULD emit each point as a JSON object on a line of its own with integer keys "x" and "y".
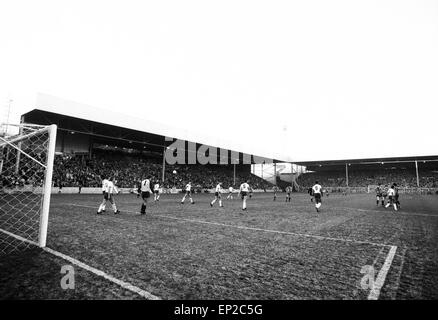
{"x": 19, "y": 138}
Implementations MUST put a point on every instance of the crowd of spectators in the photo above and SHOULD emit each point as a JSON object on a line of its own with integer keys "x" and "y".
{"x": 129, "y": 170}
{"x": 365, "y": 178}
{"x": 27, "y": 173}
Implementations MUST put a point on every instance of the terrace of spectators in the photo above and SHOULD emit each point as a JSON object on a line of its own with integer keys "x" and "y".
{"x": 419, "y": 172}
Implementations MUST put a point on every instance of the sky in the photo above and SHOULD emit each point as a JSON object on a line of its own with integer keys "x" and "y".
{"x": 316, "y": 80}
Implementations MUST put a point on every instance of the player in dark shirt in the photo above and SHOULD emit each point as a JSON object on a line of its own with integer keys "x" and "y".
{"x": 275, "y": 189}
{"x": 138, "y": 188}
{"x": 288, "y": 192}
{"x": 396, "y": 196}
{"x": 379, "y": 195}
{"x": 384, "y": 194}
{"x": 310, "y": 192}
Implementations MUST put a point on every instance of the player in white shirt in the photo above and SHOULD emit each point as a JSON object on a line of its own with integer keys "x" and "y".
{"x": 145, "y": 189}
{"x": 230, "y": 193}
{"x": 108, "y": 189}
{"x": 391, "y": 198}
{"x": 188, "y": 193}
{"x": 104, "y": 188}
{"x": 243, "y": 192}
{"x": 217, "y": 195}
{"x": 157, "y": 191}
{"x": 317, "y": 194}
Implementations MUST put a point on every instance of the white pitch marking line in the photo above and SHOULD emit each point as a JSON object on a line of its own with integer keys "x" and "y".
{"x": 123, "y": 284}
{"x": 380, "y": 280}
{"x": 391, "y": 211}
{"x": 255, "y": 229}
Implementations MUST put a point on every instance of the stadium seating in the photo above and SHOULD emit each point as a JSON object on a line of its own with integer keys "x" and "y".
{"x": 403, "y": 178}
{"x": 75, "y": 171}
{"x": 128, "y": 170}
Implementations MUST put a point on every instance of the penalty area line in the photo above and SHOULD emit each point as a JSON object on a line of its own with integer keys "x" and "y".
{"x": 381, "y": 276}
{"x": 123, "y": 284}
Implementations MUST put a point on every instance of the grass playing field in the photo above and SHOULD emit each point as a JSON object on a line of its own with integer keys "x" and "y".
{"x": 275, "y": 250}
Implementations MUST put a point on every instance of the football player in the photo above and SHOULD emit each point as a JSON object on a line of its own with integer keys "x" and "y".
{"x": 310, "y": 192}
{"x": 396, "y": 196}
{"x": 385, "y": 194}
{"x": 157, "y": 191}
{"x": 145, "y": 189}
{"x": 109, "y": 189}
{"x": 217, "y": 195}
{"x": 379, "y": 195}
{"x": 230, "y": 193}
{"x": 275, "y": 189}
{"x": 317, "y": 194}
{"x": 188, "y": 193}
{"x": 104, "y": 189}
{"x": 391, "y": 198}
{"x": 288, "y": 191}
{"x": 243, "y": 192}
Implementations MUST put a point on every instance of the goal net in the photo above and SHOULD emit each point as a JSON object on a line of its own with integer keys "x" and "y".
{"x": 26, "y": 168}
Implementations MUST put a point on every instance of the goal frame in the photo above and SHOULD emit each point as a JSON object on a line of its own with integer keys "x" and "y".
{"x": 48, "y": 166}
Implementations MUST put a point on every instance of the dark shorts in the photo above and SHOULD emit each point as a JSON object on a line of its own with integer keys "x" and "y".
{"x": 145, "y": 194}
{"x": 317, "y": 197}
{"x": 188, "y": 193}
{"x": 156, "y": 191}
{"x": 379, "y": 195}
{"x": 107, "y": 196}
{"x": 217, "y": 194}
{"x": 243, "y": 194}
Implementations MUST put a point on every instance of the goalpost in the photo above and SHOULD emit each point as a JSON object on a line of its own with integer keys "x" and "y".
{"x": 26, "y": 170}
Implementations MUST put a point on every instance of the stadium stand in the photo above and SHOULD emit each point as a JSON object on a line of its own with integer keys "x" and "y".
{"x": 128, "y": 170}
{"x": 404, "y": 178}
{"x": 86, "y": 171}
{"x": 9, "y": 178}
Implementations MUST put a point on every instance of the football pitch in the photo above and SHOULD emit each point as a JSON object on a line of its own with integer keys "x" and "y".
{"x": 352, "y": 249}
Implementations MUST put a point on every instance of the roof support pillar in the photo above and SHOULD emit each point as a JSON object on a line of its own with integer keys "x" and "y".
{"x": 275, "y": 173}
{"x": 346, "y": 174}
{"x": 416, "y": 171}
{"x": 164, "y": 165}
